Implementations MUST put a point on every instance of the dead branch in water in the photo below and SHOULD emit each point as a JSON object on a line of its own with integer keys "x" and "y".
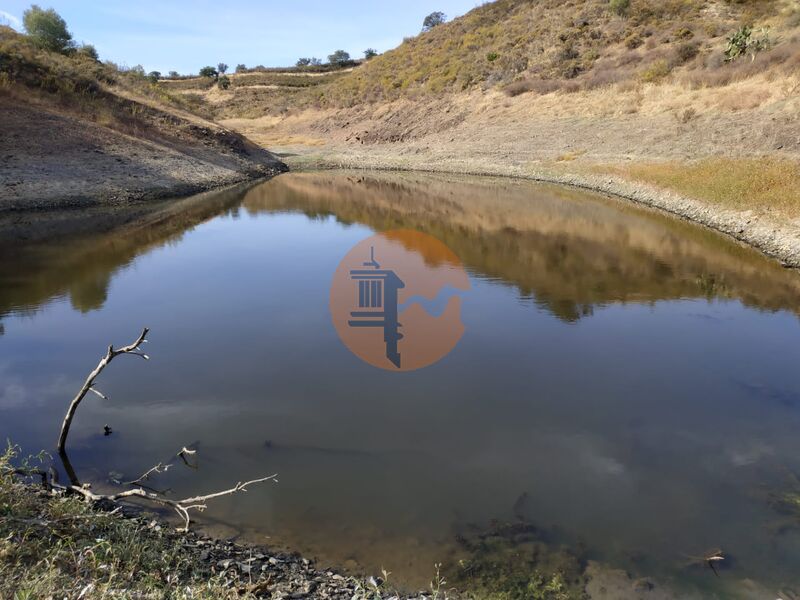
{"x": 88, "y": 385}
{"x": 182, "y": 507}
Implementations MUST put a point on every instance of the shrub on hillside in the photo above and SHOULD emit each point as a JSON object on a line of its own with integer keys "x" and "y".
{"x": 540, "y": 86}
{"x": 154, "y": 76}
{"x": 224, "y": 82}
{"x": 208, "y": 72}
{"x": 240, "y": 68}
{"x": 434, "y": 19}
{"x": 742, "y": 43}
{"x": 686, "y": 52}
{"x": 87, "y": 51}
{"x": 633, "y": 41}
{"x": 340, "y": 57}
{"x": 47, "y": 29}
{"x": 655, "y": 72}
{"x": 619, "y": 7}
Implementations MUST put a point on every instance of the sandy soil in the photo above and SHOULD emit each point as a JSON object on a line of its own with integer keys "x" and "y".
{"x": 52, "y": 160}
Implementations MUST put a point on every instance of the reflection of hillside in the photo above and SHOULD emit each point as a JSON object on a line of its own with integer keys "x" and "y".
{"x": 566, "y": 251}
{"x": 31, "y": 274}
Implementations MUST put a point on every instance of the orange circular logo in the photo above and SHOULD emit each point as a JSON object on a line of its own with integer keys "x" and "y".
{"x": 396, "y": 300}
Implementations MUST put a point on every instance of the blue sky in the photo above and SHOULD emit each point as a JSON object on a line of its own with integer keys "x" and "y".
{"x": 184, "y": 35}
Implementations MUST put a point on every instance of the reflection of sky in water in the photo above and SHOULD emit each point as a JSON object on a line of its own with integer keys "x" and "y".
{"x": 647, "y": 430}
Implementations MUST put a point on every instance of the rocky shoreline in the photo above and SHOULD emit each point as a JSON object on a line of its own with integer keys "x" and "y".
{"x": 264, "y": 572}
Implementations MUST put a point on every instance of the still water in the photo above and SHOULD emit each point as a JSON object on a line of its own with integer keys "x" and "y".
{"x": 625, "y": 382}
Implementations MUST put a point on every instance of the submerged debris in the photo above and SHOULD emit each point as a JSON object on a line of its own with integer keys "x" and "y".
{"x": 711, "y": 559}
{"x": 515, "y": 560}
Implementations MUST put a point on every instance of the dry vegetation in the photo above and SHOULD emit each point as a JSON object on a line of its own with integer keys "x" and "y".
{"x": 760, "y": 184}
{"x": 77, "y": 82}
{"x": 544, "y": 47}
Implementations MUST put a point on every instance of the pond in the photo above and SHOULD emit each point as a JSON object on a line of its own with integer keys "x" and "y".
{"x": 624, "y": 387}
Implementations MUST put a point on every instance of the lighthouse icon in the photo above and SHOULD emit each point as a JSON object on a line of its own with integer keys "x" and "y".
{"x": 394, "y": 281}
{"x": 377, "y": 303}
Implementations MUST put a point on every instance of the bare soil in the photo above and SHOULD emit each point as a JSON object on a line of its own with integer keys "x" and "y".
{"x": 49, "y": 159}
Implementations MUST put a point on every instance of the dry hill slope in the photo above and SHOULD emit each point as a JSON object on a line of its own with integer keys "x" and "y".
{"x": 77, "y": 133}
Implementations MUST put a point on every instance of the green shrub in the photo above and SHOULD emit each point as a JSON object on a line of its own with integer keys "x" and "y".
{"x": 492, "y": 56}
{"x": 47, "y": 29}
{"x": 619, "y": 7}
{"x": 741, "y": 43}
{"x": 433, "y": 20}
{"x": 340, "y": 57}
{"x": 223, "y": 82}
{"x": 208, "y": 72}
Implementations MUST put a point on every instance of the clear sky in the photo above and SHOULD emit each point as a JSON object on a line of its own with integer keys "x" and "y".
{"x": 184, "y": 35}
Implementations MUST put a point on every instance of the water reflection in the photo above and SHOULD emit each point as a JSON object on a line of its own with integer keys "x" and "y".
{"x": 76, "y": 253}
{"x": 566, "y": 250}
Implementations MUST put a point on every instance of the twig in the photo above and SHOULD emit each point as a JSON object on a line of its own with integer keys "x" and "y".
{"x": 111, "y": 354}
{"x": 182, "y": 507}
{"x": 159, "y": 468}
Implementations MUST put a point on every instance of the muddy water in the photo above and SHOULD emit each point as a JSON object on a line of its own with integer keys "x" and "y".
{"x": 626, "y": 384}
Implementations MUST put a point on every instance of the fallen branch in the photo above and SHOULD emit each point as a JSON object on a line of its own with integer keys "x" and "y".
{"x": 182, "y": 507}
{"x": 88, "y": 385}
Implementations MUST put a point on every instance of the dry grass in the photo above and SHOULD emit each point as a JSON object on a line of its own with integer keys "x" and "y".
{"x": 80, "y": 84}
{"x": 761, "y": 184}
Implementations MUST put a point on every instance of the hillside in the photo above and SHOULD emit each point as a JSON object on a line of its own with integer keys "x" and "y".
{"x": 546, "y": 46}
{"x": 80, "y": 132}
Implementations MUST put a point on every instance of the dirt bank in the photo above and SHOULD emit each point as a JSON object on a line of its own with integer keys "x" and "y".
{"x": 50, "y": 159}
{"x": 775, "y": 237}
